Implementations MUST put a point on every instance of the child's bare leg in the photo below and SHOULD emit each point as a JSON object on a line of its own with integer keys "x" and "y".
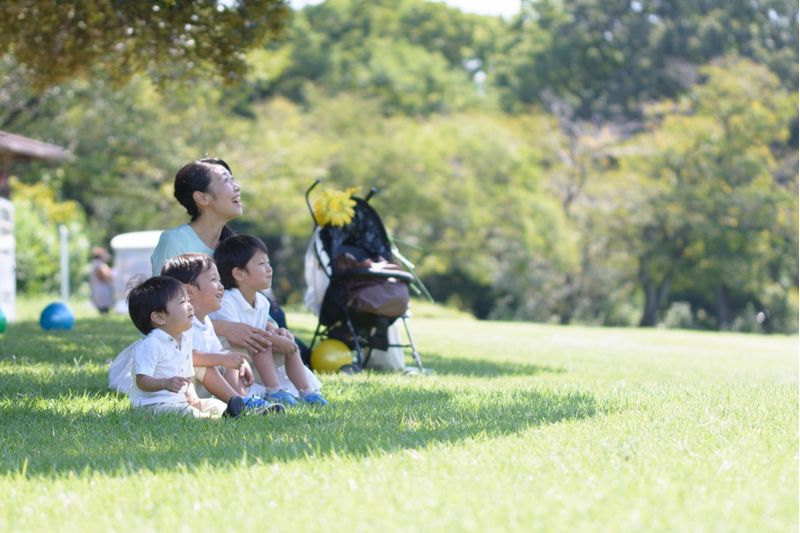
{"x": 265, "y": 366}
{"x": 234, "y": 380}
{"x": 216, "y": 385}
{"x": 296, "y": 370}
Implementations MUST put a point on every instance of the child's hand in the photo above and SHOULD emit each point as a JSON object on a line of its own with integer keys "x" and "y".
{"x": 286, "y": 333}
{"x": 238, "y": 334}
{"x": 281, "y": 344}
{"x": 235, "y": 360}
{"x": 246, "y": 373}
{"x": 176, "y": 383}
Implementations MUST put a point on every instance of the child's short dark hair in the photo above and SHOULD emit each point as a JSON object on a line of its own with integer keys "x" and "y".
{"x": 235, "y": 252}
{"x": 149, "y": 297}
{"x": 187, "y": 267}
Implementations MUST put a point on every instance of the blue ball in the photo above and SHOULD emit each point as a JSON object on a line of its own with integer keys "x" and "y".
{"x": 57, "y": 316}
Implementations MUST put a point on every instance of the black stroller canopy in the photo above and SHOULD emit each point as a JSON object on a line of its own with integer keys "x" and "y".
{"x": 364, "y": 237}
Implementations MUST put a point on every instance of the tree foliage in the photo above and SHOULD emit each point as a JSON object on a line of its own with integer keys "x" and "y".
{"x": 608, "y": 59}
{"x": 605, "y": 163}
{"x": 38, "y": 215}
{"x": 171, "y": 39}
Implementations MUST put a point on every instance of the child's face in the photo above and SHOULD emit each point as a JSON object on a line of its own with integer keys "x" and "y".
{"x": 178, "y": 316}
{"x": 206, "y": 293}
{"x": 257, "y": 273}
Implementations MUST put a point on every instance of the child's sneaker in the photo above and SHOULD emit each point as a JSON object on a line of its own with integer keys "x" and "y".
{"x": 314, "y": 398}
{"x": 281, "y": 396}
{"x": 235, "y": 407}
{"x": 260, "y": 406}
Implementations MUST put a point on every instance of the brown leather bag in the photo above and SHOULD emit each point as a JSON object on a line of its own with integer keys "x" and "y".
{"x": 378, "y": 296}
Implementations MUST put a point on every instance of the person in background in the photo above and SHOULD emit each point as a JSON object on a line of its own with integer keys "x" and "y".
{"x": 100, "y": 280}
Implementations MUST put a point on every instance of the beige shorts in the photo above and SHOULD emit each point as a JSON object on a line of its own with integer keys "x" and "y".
{"x": 200, "y": 373}
{"x": 209, "y": 408}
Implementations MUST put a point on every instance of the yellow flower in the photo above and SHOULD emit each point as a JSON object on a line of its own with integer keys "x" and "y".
{"x": 335, "y": 208}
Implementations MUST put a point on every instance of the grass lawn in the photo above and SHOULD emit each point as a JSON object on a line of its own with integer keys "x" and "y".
{"x": 522, "y": 427}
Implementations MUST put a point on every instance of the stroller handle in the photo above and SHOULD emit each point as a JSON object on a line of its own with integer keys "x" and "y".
{"x": 308, "y": 200}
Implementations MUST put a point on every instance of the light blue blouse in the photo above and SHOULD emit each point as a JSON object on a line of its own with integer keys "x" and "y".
{"x": 177, "y": 241}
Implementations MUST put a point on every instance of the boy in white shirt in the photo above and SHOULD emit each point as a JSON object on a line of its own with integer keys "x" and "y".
{"x": 217, "y": 371}
{"x": 244, "y": 269}
{"x": 162, "y": 362}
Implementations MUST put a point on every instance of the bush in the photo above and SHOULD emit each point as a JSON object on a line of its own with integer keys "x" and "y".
{"x": 37, "y": 215}
{"x": 678, "y": 316}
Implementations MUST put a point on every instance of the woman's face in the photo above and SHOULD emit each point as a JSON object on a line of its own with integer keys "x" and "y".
{"x": 223, "y": 194}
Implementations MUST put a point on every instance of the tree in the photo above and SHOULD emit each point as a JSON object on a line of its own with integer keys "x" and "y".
{"x": 417, "y": 57}
{"x": 608, "y": 59}
{"x": 708, "y": 206}
{"x": 170, "y": 39}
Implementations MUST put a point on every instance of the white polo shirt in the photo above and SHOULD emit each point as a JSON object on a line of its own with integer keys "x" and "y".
{"x": 236, "y": 309}
{"x": 158, "y": 355}
{"x": 204, "y": 337}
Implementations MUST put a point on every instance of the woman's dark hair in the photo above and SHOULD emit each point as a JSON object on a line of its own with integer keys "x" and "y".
{"x": 235, "y": 252}
{"x": 151, "y": 296}
{"x": 196, "y": 177}
{"x": 187, "y": 267}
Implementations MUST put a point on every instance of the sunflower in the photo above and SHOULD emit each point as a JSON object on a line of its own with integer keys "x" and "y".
{"x": 335, "y": 208}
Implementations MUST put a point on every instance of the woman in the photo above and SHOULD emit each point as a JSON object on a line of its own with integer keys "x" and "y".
{"x": 211, "y": 196}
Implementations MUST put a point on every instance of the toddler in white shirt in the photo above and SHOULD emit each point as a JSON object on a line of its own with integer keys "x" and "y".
{"x": 162, "y": 362}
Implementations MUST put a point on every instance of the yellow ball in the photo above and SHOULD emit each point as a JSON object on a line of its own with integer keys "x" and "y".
{"x": 330, "y": 355}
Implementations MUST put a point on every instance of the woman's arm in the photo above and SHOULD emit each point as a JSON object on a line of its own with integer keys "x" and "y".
{"x": 239, "y": 334}
{"x": 226, "y": 359}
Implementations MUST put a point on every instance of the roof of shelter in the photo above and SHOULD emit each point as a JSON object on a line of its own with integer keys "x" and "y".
{"x": 25, "y": 148}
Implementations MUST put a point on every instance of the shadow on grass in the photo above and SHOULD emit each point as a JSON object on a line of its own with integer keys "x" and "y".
{"x": 482, "y": 367}
{"x": 57, "y": 415}
{"x": 101, "y": 433}
{"x": 91, "y": 339}
{"x": 52, "y": 381}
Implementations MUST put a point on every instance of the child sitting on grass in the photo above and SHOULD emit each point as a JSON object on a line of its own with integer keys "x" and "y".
{"x": 244, "y": 270}
{"x": 217, "y": 371}
{"x": 162, "y": 361}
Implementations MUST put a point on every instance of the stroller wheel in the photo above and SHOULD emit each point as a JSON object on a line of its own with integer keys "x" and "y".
{"x": 349, "y": 370}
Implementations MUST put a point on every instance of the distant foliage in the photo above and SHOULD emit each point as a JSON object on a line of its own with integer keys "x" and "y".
{"x": 61, "y": 40}
{"x": 37, "y": 217}
{"x": 606, "y": 163}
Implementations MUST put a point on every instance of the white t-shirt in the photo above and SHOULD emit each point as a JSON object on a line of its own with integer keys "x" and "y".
{"x": 236, "y": 309}
{"x": 158, "y": 355}
{"x": 174, "y": 242}
{"x": 204, "y": 337}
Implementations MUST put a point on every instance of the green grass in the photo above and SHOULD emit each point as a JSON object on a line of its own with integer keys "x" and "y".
{"x": 522, "y": 427}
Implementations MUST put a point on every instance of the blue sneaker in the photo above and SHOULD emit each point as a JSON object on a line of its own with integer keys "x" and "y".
{"x": 282, "y": 396}
{"x": 260, "y": 406}
{"x": 315, "y": 398}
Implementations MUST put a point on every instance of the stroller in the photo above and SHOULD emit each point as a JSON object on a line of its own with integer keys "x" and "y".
{"x": 363, "y": 289}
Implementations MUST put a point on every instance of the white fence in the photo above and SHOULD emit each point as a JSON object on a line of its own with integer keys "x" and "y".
{"x": 131, "y": 258}
{"x": 8, "y": 278}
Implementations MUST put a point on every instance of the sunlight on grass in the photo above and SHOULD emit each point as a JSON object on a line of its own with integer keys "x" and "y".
{"x": 522, "y": 427}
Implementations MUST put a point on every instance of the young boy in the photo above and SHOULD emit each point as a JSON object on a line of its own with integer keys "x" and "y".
{"x": 244, "y": 270}
{"x": 199, "y": 276}
{"x": 162, "y": 361}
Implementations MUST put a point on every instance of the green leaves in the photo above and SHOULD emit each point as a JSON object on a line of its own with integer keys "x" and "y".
{"x": 169, "y": 39}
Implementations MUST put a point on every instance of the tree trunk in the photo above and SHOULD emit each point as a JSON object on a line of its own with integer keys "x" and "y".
{"x": 654, "y": 295}
{"x": 724, "y": 314}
